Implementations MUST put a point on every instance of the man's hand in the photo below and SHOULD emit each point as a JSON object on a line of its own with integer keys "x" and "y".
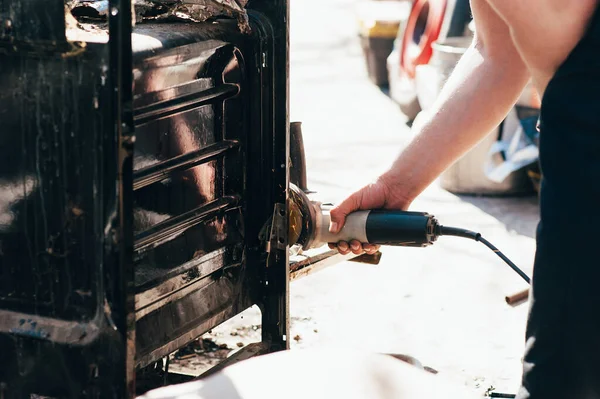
{"x": 379, "y": 195}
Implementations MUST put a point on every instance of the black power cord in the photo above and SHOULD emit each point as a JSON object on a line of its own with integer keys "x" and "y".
{"x": 456, "y": 232}
{"x": 402, "y": 228}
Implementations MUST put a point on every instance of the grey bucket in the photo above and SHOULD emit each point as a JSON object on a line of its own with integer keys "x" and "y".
{"x": 447, "y": 53}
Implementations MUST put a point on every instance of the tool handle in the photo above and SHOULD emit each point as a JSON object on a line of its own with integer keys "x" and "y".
{"x": 518, "y": 298}
{"x": 382, "y": 227}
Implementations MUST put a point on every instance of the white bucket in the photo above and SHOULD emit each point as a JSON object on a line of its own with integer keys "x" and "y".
{"x": 467, "y": 175}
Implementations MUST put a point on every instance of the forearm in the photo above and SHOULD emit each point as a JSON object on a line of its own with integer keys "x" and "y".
{"x": 476, "y": 98}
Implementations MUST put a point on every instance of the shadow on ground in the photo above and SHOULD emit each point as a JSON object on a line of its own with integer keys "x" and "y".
{"x": 518, "y": 214}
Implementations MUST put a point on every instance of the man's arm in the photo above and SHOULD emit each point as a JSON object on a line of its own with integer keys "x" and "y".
{"x": 483, "y": 87}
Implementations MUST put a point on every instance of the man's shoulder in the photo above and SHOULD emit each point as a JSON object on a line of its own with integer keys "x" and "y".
{"x": 535, "y": 8}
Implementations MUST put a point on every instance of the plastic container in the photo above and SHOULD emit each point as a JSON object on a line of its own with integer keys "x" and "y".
{"x": 402, "y": 88}
{"x": 379, "y": 22}
{"x": 423, "y": 28}
{"x": 376, "y": 51}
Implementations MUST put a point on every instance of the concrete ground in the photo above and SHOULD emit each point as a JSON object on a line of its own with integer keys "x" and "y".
{"x": 443, "y": 305}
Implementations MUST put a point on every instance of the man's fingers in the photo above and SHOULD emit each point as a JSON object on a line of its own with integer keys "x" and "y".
{"x": 343, "y": 247}
{"x": 338, "y": 213}
{"x": 356, "y": 247}
{"x": 371, "y": 196}
{"x": 370, "y": 248}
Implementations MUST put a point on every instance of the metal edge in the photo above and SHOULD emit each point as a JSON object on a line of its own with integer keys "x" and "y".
{"x": 121, "y": 83}
{"x": 248, "y": 352}
{"x": 46, "y": 328}
{"x": 187, "y": 337}
{"x": 308, "y": 265}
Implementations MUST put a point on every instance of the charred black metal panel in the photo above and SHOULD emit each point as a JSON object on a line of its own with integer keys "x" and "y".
{"x": 190, "y": 113}
{"x": 30, "y": 21}
{"x": 50, "y": 215}
{"x": 131, "y": 204}
{"x": 64, "y": 136}
{"x": 58, "y": 206}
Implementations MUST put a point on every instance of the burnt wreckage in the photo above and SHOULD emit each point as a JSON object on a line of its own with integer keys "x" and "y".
{"x": 140, "y": 163}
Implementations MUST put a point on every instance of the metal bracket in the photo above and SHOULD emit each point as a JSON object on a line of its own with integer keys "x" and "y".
{"x": 274, "y": 232}
{"x": 278, "y": 230}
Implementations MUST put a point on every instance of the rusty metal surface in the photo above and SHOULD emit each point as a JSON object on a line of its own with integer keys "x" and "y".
{"x": 168, "y": 10}
{"x": 194, "y": 10}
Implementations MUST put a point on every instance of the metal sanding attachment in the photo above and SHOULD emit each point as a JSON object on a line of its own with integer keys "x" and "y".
{"x": 302, "y": 218}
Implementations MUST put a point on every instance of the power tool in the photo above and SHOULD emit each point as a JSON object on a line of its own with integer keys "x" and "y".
{"x": 309, "y": 228}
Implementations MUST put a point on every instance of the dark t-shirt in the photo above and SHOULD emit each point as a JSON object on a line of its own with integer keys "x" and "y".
{"x": 562, "y": 359}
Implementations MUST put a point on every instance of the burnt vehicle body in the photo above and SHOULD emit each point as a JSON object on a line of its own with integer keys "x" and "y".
{"x": 138, "y": 166}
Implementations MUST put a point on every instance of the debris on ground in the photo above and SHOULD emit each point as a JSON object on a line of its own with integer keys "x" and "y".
{"x": 199, "y": 355}
{"x": 222, "y": 342}
{"x": 199, "y": 347}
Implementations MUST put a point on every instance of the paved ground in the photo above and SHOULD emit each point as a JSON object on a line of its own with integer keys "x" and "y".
{"x": 443, "y": 305}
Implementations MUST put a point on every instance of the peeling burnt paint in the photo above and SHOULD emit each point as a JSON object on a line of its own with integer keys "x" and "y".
{"x": 29, "y": 328}
{"x": 166, "y": 10}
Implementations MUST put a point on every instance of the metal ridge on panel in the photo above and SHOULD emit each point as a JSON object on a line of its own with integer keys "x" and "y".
{"x": 164, "y": 109}
{"x": 176, "y": 295}
{"x": 172, "y": 227}
{"x": 219, "y": 315}
{"x": 160, "y": 171}
{"x": 154, "y": 290}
